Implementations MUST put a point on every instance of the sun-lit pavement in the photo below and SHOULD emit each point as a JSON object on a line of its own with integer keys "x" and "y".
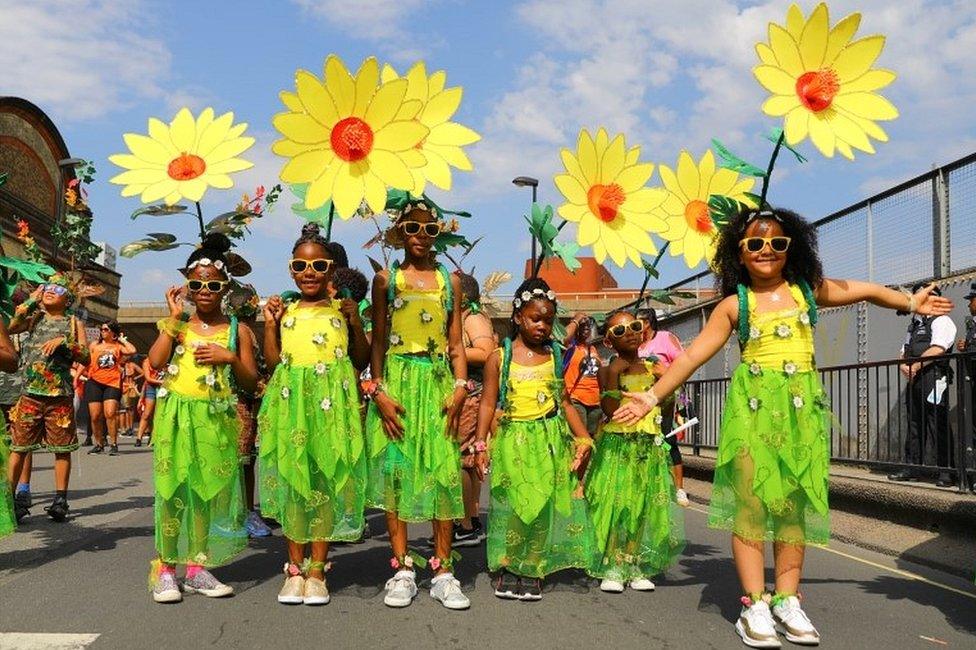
{"x": 83, "y": 584}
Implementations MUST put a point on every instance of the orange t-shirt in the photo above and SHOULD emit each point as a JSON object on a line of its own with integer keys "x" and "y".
{"x": 581, "y": 376}
{"x": 105, "y": 365}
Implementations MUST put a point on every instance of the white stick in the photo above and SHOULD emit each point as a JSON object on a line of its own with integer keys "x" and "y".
{"x": 687, "y": 425}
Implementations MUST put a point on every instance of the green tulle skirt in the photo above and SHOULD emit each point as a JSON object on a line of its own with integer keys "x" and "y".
{"x": 638, "y": 526}
{"x": 537, "y": 521}
{"x": 419, "y": 476}
{"x": 8, "y": 522}
{"x": 312, "y": 461}
{"x": 773, "y": 457}
{"x": 199, "y": 505}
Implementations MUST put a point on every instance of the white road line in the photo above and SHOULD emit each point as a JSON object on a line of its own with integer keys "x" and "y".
{"x": 26, "y": 641}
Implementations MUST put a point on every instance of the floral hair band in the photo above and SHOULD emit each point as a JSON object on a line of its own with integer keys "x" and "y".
{"x": 526, "y": 296}
{"x": 206, "y": 261}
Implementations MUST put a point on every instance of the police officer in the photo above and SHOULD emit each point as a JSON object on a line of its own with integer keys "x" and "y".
{"x": 928, "y": 398}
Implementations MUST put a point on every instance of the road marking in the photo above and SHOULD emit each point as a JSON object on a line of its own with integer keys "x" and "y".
{"x": 25, "y": 641}
{"x": 906, "y": 574}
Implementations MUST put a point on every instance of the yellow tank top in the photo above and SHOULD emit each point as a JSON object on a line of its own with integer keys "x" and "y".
{"x": 313, "y": 335}
{"x": 637, "y": 383}
{"x": 418, "y": 321}
{"x": 530, "y": 390}
{"x": 782, "y": 339}
{"x": 185, "y": 377}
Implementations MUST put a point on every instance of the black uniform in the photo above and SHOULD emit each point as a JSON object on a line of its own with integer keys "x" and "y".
{"x": 928, "y": 422}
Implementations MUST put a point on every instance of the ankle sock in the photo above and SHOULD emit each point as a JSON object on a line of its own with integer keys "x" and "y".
{"x": 23, "y": 487}
{"x": 192, "y": 570}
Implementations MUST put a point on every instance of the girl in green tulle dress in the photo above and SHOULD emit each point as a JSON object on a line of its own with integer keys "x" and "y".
{"x": 771, "y": 470}
{"x": 418, "y": 385}
{"x": 8, "y": 363}
{"x": 312, "y": 462}
{"x": 638, "y": 526}
{"x": 199, "y": 506}
{"x": 537, "y": 517}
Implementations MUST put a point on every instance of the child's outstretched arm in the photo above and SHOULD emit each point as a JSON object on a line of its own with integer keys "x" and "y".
{"x": 836, "y": 293}
{"x": 717, "y": 330}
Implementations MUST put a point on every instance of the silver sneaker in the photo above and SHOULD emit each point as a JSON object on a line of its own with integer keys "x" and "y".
{"x": 756, "y": 627}
{"x": 793, "y": 623}
{"x": 446, "y": 589}
{"x": 166, "y": 590}
{"x": 401, "y": 589}
{"x": 204, "y": 583}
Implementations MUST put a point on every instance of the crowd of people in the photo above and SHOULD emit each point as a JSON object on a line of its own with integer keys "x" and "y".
{"x": 399, "y": 401}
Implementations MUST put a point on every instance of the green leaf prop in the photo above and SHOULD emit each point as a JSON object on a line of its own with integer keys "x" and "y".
{"x": 318, "y": 215}
{"x": 567, "y": 252}
{"x": 730, "y": 161}
{"x": 160, "y": 210}
{"x": 723, "y": 208}
{"x": 232, "y": 224}
{"x": 775, "y": 134}
{"x": 651, "y": 269}
{"x": 543, "y": 230}
{"x": 447, "y": 240}
{"x": 26, "y": 269}
{"x": 154, "y": 241}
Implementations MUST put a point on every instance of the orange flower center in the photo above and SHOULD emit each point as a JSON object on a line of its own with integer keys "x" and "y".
{"x": 352, "y": 139}
{"x": 605, "y": 200}
{"x": 699, "y": 217}
{"x": 186, "y": 167}
{"x": 817, "y": 89}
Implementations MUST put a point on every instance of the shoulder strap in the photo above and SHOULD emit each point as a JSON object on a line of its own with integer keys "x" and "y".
{"x": 232, "y": 335}
{"x": 503, "y": 373}
{"x": 743, "y": 293}
{"x": 391, "y": 283}
{"x": 448, "y": 288}
{"x": 811, "y": 301}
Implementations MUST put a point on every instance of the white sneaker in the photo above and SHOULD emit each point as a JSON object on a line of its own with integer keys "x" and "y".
{"x": 206, "y": 584}
{"x": 316, "y": 593}
{"x": 756, "y": 627}
{"x": 401, "y": 589}
{"x": 793, "y": 623}
{"x": 166, "y": 590}
{"x": 681, "y": 497}
{"x": 447, "y": 589}
{"x": 611, "y": 586}
{"x": 641, "y": 584}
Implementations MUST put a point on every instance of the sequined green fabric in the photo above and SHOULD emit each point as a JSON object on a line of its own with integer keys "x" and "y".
{"x": 537, "y": 523}
{"x": 8, "y": 522}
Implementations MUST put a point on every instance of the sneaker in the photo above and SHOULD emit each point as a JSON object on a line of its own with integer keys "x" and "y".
{"x": 58, "y": 510}
{"x": 507, "y": 586}
{"x": 137, "y": 443}
{"x": 27, "y": 499}
{"x": 756, "y": 627}
{"x": 446, "y": 589}
{"x": 293, "y": 591}
{"x": 97, "y": 449}
{"x": 467, "y": 536}
{"x": 641, "y": 584}
{"x": 792, "y": 622}
{"x": 401, "y": 589}
{"x": 256, "y": 526}
{"x": 166, "y": 590}
{"x": 128, "y": 433}
{"x": 531, "y": 589}
{"x": 611, "y": 586}
{"x": 206, "y": 584}
{"x": 681, "y": 497}
{"x": 316, "y": 593}
{"x": 21, "y": 506}
{"x": 113, "y": 450}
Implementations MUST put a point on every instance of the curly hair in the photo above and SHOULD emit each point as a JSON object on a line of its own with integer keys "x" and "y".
{"x": 215, "y": 247}
{"x": 469, "y": 287}
{"x": 802, "y": 260}
{"x": 529, "y": 285}
{"x": 311, "y": 234}
{"x": 352, "y": 280}
{"x": 339, "y": 257}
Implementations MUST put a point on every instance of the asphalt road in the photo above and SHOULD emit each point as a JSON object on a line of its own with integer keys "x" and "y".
{"x": 83, "y": 584}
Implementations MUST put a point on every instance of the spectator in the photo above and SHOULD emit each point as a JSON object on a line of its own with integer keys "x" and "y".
{"x": 927, "y": 399}
{"x": 103, "y": 390}
{"x": 968, "y": 345}
{"x": 666, "y": 347}
{"x": 581, "y": 363}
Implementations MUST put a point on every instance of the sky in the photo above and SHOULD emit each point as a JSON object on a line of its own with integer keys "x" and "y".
{"x": 669, "y": 75}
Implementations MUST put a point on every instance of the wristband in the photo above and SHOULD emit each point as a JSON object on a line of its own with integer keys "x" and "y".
{"x": 912, "y": 307}
{"x": 480, "y": 446}
{"x": 171, "y": 326}
{"x": 460, "y": 383}
{"x": 584, "y": 441}
{"x": 371, "y": 388}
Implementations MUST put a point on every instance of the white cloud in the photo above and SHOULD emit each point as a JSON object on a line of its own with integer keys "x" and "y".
{"x": 80, "y": 60}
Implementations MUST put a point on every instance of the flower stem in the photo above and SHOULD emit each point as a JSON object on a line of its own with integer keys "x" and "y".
{"x": 647, "y": 275}
{"x": 203, "y": 231}
{"x": 328, "y": 225}
{"x": 769, "y": 169}
{"x": 537, "y": 265}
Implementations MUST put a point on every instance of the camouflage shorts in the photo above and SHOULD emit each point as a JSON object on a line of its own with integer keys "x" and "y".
{"x": 37, "y": 422}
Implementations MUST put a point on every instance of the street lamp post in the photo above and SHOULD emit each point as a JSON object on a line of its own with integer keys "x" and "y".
{"x": 528, "y": 181}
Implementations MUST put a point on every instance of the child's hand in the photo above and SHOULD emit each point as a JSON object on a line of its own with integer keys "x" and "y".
{"x": 37, "y": 293}
{"x": 581, "y": 459}
{"x": 481, "y": 464}
{"x": 640, "y": 404}
{"x": 929, "y": 305}
{"x": 50, "y": 347}
{"x": 212, "y": 354}
{"x": 174, "y": 300}
{"x": 350, "y": 309}
{"x": 390, "y": 412}
{"x": 453, "y": 410}
{"x": 273, "y": 310}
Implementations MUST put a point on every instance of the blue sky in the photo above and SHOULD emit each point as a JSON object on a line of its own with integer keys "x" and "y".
{"x": 670, "y": 75}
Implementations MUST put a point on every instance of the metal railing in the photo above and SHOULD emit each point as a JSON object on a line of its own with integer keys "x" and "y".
{"x": 874, "y": 427}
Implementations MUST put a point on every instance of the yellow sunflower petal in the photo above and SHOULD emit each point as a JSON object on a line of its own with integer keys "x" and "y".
{"x": 442, "y": 106}
{"x": 599, "y": 252}
{"x": 587, "y": 158}
{"x": 307, "y": 166}
{"x": 787, "y": 52}
{"x": 796, "y": 125}
{"x": 375, "y": 193}
{"x": 840, "y": 36}
{"x": 203, "y": 122}
{"x": 367, "y": 80}
{"x": 688, "y": 177}
{"x": 387, "y": 73}
{"x": 229, "y": 166}
{"x": 779, "y": 105}
{"x": 845, "y": 150}
{"x": 147, "y": 149}
{"x": 857, "y": 58}
{"x": 128, "y": 161}
{"x": 320, "y": 190}
{"x": 589, "y": 230}
{"x": 300, "y": 127}
{"x": 721, "y": 182}
{"x": 219, "y": 181}
{"x": 645, "y": 199}
{"x": 230, "y": 148}
{"x": 418, "y": 87}
{"x": 706, "y": 168}
{"x": 633, "y": 154}
{"x": 163, "y": 188}
{"x": 183, "y": 131}
{"x": 437, "y": 171}
{"x": 847, "y": 130}
{"x": 821, "y": 135}
{"x": 385, "y": 103}
{"x": 868, "y": 82}
{"x": 391, "y": 169}
{"x": 139, "y": 177}
{"x": 340, "y": 85}
{"x": 214, "y": 134}
{"x": 634, "y": 177}
{"x": 612, "y": 162}
{"x": 572, "y": 212}
{"x": 399, "y": 135}
{"x": 794, "y": 21}
{"x": 159, "y": 131}
{"x": 315, "y": 99}
{"x": 292, "y": 102}
{"x": 349, "y": 189}
{"x": 867, "y": 105}
{"x": 670, "y": 181}
{"x": 868, "y": 126}
{"x": 571, "y": 188}
{"x": 765, "y": 54}
{"x": 813, "y": 40}
{"x": 454, "y": 133}
{"x": 454, "y": 156}
{"x": 436, "y": 82}
{"x": 775, "y": 80}
{"x": 193, "y": 189}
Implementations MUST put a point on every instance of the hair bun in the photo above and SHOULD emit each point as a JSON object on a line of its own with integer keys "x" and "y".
{"x": 216, "y": 241}
{"x": 310, "y": 230}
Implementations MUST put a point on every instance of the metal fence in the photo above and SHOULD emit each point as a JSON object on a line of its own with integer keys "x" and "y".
{"x": 875, "y": 410}
{"x": 924, "y": 228}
